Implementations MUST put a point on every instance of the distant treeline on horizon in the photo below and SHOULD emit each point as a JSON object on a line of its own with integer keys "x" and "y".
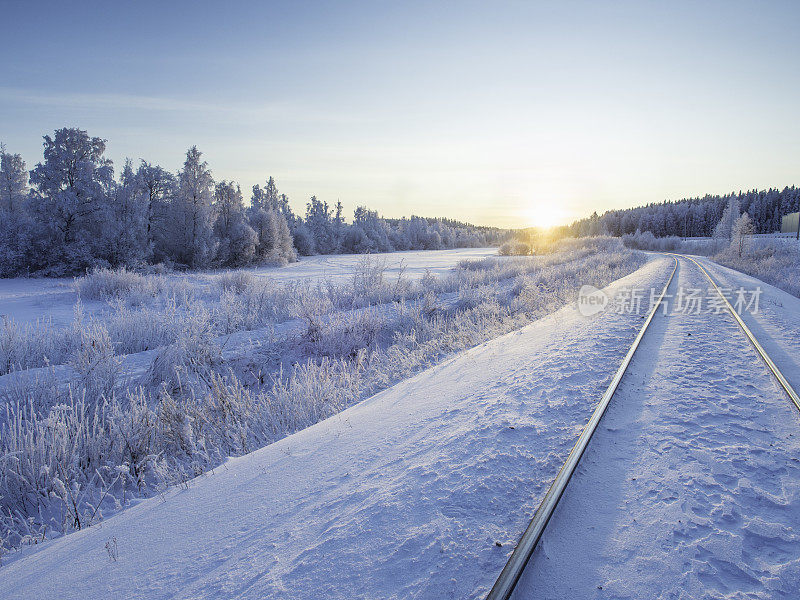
{"x": 70, "y": 213}
{"x": 692, "y": 217}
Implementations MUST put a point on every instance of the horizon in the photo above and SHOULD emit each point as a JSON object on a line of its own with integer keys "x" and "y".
{"x": 531, "y": 115}
{"x": 298, "y": 207}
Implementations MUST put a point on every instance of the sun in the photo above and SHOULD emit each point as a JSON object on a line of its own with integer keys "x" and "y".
{"x": 544, "y": 215}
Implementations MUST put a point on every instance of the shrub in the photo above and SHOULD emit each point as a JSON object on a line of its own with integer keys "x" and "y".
{"x": 647, "y": 241}
{"x": 107, "y": 284}
{"x": 237, "y": 282}
{"x": 185, "y": 365}
{"x": 95, "y": 362}
{"x": 773, "y": 261}
{"x": 515, "y": 248}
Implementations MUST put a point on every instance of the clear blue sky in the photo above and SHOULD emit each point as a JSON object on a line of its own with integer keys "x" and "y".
{"x": 495, "y": 113}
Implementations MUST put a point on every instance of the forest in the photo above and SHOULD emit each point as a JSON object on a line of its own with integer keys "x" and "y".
{"x": 70, "y": 214}
{"x": 692, "y": 217}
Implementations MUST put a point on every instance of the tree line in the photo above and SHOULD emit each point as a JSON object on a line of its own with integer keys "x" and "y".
{"x": 693, "y": 217}
{"x": 70, "y": 213}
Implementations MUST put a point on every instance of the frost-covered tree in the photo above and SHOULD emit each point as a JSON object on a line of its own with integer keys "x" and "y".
{"x": 256, "y": 199}
{"x": 157, "y": 188}
{"x": 271, "y": 199}
{"x": 271, "y": 218}
{"x": 265, "y": 226}
{"x": 356, "y": 241}
{"x": 283, "y": 205}
{"x": 236, "y": 239}
{"x": 303, "y": 239}
{"x": 13, "y": 182}
{"x": 320, "y": 226}
{"x": 339, "y": 226}
{"x": 368, "y": 233}
{"x": 228, "y": 205}
{"x": 266, "y": 198}
{"x": 76, "y": 216}
{"x": 14, "y": 216}
{"x": 127, "y": 228}
{"x": 740, "y": 234}
{"x": 420, "y": 234}
{"x": 724, "y": 229}
{"x": 693, "y": 217}
{"x": 191, "y": 228}
{"x": 274, "y": 242}
{"x": 71, "y": 203}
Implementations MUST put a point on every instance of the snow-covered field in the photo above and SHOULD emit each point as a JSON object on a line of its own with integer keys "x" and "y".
{"x": 30, "y": 299}
{"x": 404, "y": 495}
{"x": 43, "y": 320}
{"x": 236, "y": 367}
{"x": 689, "y": 488}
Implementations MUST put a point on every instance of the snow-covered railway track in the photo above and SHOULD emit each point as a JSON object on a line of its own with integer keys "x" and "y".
{"x": 506, "y": 583}
{"x": 509, "y": 576}
{"x": 784, "y": 383}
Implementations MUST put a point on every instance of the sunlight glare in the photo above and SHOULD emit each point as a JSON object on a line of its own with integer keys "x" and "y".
{"x": 545, "y": 216}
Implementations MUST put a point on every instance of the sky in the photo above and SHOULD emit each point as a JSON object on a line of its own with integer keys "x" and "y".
{"x": 496, "y": 113}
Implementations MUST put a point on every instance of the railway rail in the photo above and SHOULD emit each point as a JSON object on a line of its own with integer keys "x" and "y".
{"x": 509, "y": 577}
{"x": 784, "y": 383}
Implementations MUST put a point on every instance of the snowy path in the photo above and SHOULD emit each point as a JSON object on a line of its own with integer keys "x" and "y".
{"x": 690, "y": 487}
{"x": 401, "y": 496}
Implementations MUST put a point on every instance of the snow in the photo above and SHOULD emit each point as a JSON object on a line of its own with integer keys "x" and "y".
{"x": 50, "y": 298}
{"x": 775, "y": 325}
{"x": 690, "y": 487}
{"x": 403, "y": 495}
{"x": 336, "y": 266}
{"x": 27, "y": 299}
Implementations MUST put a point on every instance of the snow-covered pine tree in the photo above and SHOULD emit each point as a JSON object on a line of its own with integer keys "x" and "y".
{"x": 724, "y": 229}
{"x": 191, "y": 229}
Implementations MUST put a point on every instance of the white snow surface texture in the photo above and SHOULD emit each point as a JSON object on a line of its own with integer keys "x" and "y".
{"x": 690, "y": 489}
{"x": 27, "y": 300}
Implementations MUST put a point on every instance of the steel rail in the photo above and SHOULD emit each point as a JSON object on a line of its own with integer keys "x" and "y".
{"x": 512, "y": 571}
{"x": 763, "y": 353}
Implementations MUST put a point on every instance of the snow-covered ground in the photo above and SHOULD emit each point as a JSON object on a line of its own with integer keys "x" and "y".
{"x": 336, "y": 266}
{"x": 26, "y": 300}
{"x": 690, "y": 488}
{"x": 777, "y": 322}
{"x": 403, "y": 495}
